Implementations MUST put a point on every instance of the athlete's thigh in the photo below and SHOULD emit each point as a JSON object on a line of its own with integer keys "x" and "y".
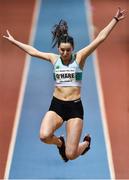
{"x": 73, "y": 132}
{"x": 51, "y": 122}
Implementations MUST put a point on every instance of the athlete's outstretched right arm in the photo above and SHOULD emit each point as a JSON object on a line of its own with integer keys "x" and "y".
{"x": 28, "y": 49}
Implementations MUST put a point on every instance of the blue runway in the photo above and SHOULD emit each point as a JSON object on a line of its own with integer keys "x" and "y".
{"x": 31, "y": 158}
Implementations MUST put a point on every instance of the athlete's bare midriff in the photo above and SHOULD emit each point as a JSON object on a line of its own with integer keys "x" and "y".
{"x": 67, "y": 93}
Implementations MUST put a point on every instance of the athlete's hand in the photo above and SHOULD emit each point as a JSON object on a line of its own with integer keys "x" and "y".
{"x": 120, "y": 14}
{"x": 8, "y": 36}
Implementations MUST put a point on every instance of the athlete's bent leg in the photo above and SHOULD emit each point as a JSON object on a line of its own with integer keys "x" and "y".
{"x": 74, "y": 130}
{"x": 49, "y": 124}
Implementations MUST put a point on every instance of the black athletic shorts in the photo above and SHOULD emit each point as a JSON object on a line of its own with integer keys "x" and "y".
{"x": 67, "y": 109}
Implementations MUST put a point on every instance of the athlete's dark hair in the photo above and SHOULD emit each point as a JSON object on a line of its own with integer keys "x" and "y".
{"x": 60, "y": 34}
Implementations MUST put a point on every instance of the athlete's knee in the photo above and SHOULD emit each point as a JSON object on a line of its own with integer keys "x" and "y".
{"x": 71, "y": 153}
{"x": 45, "y": 137}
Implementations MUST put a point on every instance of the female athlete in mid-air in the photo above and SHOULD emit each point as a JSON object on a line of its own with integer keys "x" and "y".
{"x": 66, "y": 105}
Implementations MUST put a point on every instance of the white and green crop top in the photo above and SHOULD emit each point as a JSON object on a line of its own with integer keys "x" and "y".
{"x": 67, "y": 75}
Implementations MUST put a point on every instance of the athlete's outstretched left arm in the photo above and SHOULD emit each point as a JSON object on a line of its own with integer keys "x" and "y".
{"x": 104, "y": 33}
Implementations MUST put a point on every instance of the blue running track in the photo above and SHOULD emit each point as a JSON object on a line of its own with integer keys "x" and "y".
{"x": 31, "y": 158}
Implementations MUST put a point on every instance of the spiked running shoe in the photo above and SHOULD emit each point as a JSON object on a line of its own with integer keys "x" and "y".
{"x": 88, "y": 139}
{"x": 62, "y": 149}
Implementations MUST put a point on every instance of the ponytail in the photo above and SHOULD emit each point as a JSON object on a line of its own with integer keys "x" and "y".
{"x": 60, "y": 34}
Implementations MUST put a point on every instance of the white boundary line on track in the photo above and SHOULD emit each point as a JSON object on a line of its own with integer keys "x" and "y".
{"x": 22, "y": 91}
{"x": 100, "y": 93}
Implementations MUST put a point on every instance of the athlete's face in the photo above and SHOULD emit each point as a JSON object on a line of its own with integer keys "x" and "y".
{"x": 65, "y": 50}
